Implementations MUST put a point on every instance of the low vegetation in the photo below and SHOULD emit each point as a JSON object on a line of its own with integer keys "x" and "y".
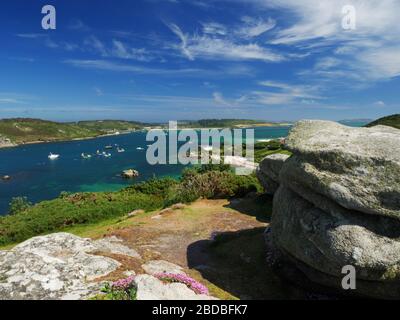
{"x": 391, "y": 121}
{"x": 69, "y": 210}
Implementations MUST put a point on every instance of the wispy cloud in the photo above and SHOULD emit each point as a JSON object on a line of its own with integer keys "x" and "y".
{"x": 232, "y": 103}
{"x": 215, "y": 28}
{"x": 283, "y": 93}
{"x": 118, "y": 49}
{"x": 370, "y": 53}
{"x": 253, "y": 27}
{"x": 31, "y": 35}
{"x": 216, "y": 48}
{"x": 107, "y": 65}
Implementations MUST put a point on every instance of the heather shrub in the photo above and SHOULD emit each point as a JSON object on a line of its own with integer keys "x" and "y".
{"x": 212, "y": 185}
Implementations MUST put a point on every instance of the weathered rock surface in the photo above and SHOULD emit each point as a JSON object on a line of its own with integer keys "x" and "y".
{"x": 268, "y": 172}
{"x": 358, "y": 168}
{"x": 57, "y": 266}
{"x": 339, "y": 204}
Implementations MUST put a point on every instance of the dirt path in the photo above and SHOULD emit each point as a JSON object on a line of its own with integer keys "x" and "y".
{"x": 218, "y": 242}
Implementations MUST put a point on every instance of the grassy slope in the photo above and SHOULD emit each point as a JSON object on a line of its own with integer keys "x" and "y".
{"x": 391, "y": 121}
{"x": 31, "y": 130}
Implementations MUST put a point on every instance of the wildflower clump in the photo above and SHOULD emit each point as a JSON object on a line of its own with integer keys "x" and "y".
{"x": 123, "y": 289}
{"x": 192, "y": 284}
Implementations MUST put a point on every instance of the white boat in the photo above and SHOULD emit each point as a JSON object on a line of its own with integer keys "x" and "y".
{"x": 120, "y": 150}
{"x": 53, "y": 156}
{"x": 106, "y": 155}
{"x": 86, "y": 156}
{"x": 139, "y": 148}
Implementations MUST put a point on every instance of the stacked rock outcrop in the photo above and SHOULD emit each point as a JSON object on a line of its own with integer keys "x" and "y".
{"x": 338, "y": 204}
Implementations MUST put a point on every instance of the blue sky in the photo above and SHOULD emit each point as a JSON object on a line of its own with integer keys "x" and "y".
{"x": 153, "y": 60}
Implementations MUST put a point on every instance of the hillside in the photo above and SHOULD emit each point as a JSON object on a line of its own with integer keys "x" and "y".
{"x": 391, "y": 121}
{"x": 20, "y": 131}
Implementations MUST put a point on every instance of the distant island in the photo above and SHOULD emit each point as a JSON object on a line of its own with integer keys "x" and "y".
{"x": 19, "y": 131}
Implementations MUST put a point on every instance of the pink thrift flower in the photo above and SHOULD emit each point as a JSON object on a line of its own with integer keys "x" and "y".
{"x": 181, "y": 278}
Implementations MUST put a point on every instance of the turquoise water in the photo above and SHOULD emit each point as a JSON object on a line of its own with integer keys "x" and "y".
{"x": 38, "y": 178}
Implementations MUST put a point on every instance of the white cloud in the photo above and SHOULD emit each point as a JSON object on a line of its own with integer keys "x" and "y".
{"x": 283, "y": 93}
{"x": 118, "y": 49}
{"x": 31, "y": 35}
{"x": 121, "y": 51}
{"x": 95, "y": 44}
{"x": 218, "y": 98}
{"x": 215, "y": 29}
{"x": 371, "y": 52}
{"x": 184, "y": 40}
{"x": 215, "y": 48}
{"x": 254, "y": 27}
{"x": 107, "y": 65}
{"x": 379, "y": 103}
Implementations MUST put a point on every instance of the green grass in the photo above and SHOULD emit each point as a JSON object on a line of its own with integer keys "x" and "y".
{"x": 76, "y": 209}
{"x": 391, "y": 121}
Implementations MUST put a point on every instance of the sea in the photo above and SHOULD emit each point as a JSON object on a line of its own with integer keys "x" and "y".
{"x": 35, "y": 176}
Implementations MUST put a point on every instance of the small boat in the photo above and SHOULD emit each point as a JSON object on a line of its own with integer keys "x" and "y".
{"x": 53, "y": 156}
{"x": 98, "y": 152}
{"x": 139, "y": 148}
{"x": 120, "y": 150}
{"x": 108, "y": 147}
{"x": 86, "y": 156}
{"x": 106, "y": 155}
